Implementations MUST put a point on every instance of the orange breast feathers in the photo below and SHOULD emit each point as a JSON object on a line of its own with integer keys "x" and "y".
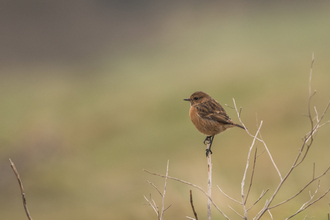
{"x": 206, "y": 126}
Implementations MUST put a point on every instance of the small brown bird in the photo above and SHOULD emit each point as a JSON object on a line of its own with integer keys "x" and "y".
{"x": 208, "y": 116}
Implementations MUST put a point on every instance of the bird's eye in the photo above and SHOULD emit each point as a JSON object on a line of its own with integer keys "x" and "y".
{"x": 196, "y": 98}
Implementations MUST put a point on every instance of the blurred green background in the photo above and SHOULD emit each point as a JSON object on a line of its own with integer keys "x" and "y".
{"x": 91, "y": 93}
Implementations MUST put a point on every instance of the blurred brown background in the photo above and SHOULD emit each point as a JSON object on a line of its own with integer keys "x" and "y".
{"x": 91, "y": 93}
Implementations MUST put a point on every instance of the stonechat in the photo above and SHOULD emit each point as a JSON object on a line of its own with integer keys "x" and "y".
{"x": 208, "y": 116}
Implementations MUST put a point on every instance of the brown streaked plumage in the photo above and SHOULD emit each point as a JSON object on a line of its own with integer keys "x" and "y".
{"x": 208, "y": 116}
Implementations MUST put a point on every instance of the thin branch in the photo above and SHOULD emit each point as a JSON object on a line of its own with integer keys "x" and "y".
{"x": 154, "y": 206}
{"x": 228, "y": 196}
{"x": 327, "y": 122}
{"x": 259, "y": 139}
{"x": 308, "y": 204}
{"x": 190, "y": 184}
{"x": 209, "y": 180}
{"x": 246, "y": 169}
{"x": 163, "y": 199}
{"x": 270, "y": 156}
{"x": 229, "y": 106}
{"x": 270, "y": 214}
{"x": 263, "y": 193}
{"x": 155, "y": 188}
{"x": 262, "y": 211}
{"x": 252, "y": 175}
{"x": 192, "y": 205}
{"x": 167, "y": 207}
{"x": 152, "y": 202}
{"x": 261, "y": 153}
{"x": 310, "y": 91}
{"x": 22, "y": 189}
{"x": 236, "y": 212}
{"x": 309, "y": 183}
{"x": 309, "y": 137}
{"x": 316, "y": 114}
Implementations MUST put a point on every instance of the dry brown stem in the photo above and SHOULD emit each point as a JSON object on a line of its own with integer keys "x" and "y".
{"x": 22, "y": 189}
{"x": 192, "y": 205}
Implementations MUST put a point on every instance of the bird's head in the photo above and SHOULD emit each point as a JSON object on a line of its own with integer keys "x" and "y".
{"x": 198, "y": 97}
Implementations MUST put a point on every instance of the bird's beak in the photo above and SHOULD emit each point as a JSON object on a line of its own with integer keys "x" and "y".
{"x": 186, "y": 99}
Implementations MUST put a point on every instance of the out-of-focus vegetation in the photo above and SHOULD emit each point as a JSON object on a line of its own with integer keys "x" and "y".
{"x": 91, "y": 94}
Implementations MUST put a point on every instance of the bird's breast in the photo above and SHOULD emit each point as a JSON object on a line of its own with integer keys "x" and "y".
{"x": 203, "y": 125}
{"x": 194, "y": 115}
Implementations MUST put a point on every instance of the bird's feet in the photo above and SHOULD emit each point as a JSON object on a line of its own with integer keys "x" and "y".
{"x": 208, "y": 151}
{"x": 207, "y": 139}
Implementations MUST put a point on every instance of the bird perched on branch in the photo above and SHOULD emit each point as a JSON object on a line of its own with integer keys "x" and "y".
{"x": 208, "y": 116}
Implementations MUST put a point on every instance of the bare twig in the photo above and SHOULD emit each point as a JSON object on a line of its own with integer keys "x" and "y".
{"x": 228, "y": 196}
{"x": 229, "y": 106}
{"x": 310, "y": 95}
{"x": 309, "y": 137}
{"x": 316, "y": 114}
{"x": 259, "y": 139}
{"x": 252, "y": 174}
{"x": 309, "y": 183}
{"x": 270, "y": 214}
{"x": 155, "y": 188}
{"x": 22, "y": 189}
{"x": 152, "y": 203}
{"x": 193, "y": 185}
{"x": 209, "y": 181}
{"x": 246, "y": 169}
{"x": 192, "y": 205}
{"x": 309, "y": 202}
{"x": 163, "y": 199}
{"x": 263, "y": 193}
{"x": 236, "y": 212}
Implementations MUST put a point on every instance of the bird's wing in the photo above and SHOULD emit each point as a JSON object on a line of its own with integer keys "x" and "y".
{"x": 213, "y": 111}
{"x": 221, "y": 117}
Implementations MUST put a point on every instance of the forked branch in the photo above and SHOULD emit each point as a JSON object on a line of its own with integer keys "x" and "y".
{"x": 152, "y": 202}
{"x": 193, "y": 185}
